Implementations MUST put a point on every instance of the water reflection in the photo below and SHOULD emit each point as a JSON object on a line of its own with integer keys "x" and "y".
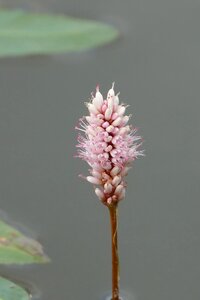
{"x": 123, "y": 296}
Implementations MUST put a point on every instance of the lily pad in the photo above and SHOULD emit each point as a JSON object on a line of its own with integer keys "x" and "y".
{"x": 10, "y": 291}
{"x": 16, "y": 248}
{"x": 23, "y": 33}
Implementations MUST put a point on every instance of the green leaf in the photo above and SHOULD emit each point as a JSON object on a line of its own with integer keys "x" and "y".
{"x": 10, "y": 291}
{"x": 23, "y": 33}
{"x": 16, "y": 248}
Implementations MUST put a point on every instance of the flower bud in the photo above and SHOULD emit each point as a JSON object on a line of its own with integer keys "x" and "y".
{"x": 111, "y": 92}
{"x": 98, "y": 100}
{"x": 96, "y": 174}
{"x": 108, "y": 114}
{"x": 121, "y": 110}
{"x": 100, "y": 194}
{"x": 117, "y": 121}
{"x": 115, "y": 171}
{"x": 122, "y": 194}
{"x": 125, "y": 120}
{"x": 119, "y": 189}
{"x": 110, "y": 128}
{"x": 109, "y": 200}
{"x": 116, "y": 101}
{"x": 125, "y": 171}
{"x": 93, "y": 180}
{"x": 92, "y": 108}
{"x": 116, "y": 180}
{"x": 108, "y": 188}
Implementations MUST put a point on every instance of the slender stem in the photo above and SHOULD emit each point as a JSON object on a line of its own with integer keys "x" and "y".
{"x": 115, "y": 258}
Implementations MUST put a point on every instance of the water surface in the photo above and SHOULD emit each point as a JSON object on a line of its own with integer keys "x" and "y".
{"x": 156, "y": 67}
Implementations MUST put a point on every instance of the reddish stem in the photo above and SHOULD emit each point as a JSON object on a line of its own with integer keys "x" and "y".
{"x": 115, "y": 258}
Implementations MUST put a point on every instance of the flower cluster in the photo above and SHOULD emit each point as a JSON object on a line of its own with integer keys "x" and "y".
{"x": 109, "y": 145}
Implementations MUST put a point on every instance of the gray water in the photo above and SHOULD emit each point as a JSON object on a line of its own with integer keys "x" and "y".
{"x": 156, "y": 66}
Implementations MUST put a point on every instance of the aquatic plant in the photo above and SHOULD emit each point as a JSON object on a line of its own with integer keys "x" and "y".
{"x": 25, "y": 33}
{"x": 109, "y": 145}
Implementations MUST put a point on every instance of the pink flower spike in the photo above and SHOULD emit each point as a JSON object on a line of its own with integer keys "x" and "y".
{"x": 108, "y": 145}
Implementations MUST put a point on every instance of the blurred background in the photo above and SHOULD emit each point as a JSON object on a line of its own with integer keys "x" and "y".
{"x": 155, "y": 64}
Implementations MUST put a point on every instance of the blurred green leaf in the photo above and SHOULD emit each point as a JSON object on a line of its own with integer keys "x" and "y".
{"x": 16, "y": 248}
{"x": 23, "y": 33}
{"x": 10, "y": 291}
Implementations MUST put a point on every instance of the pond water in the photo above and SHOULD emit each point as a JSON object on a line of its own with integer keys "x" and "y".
{"x": 156, "y": 66}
